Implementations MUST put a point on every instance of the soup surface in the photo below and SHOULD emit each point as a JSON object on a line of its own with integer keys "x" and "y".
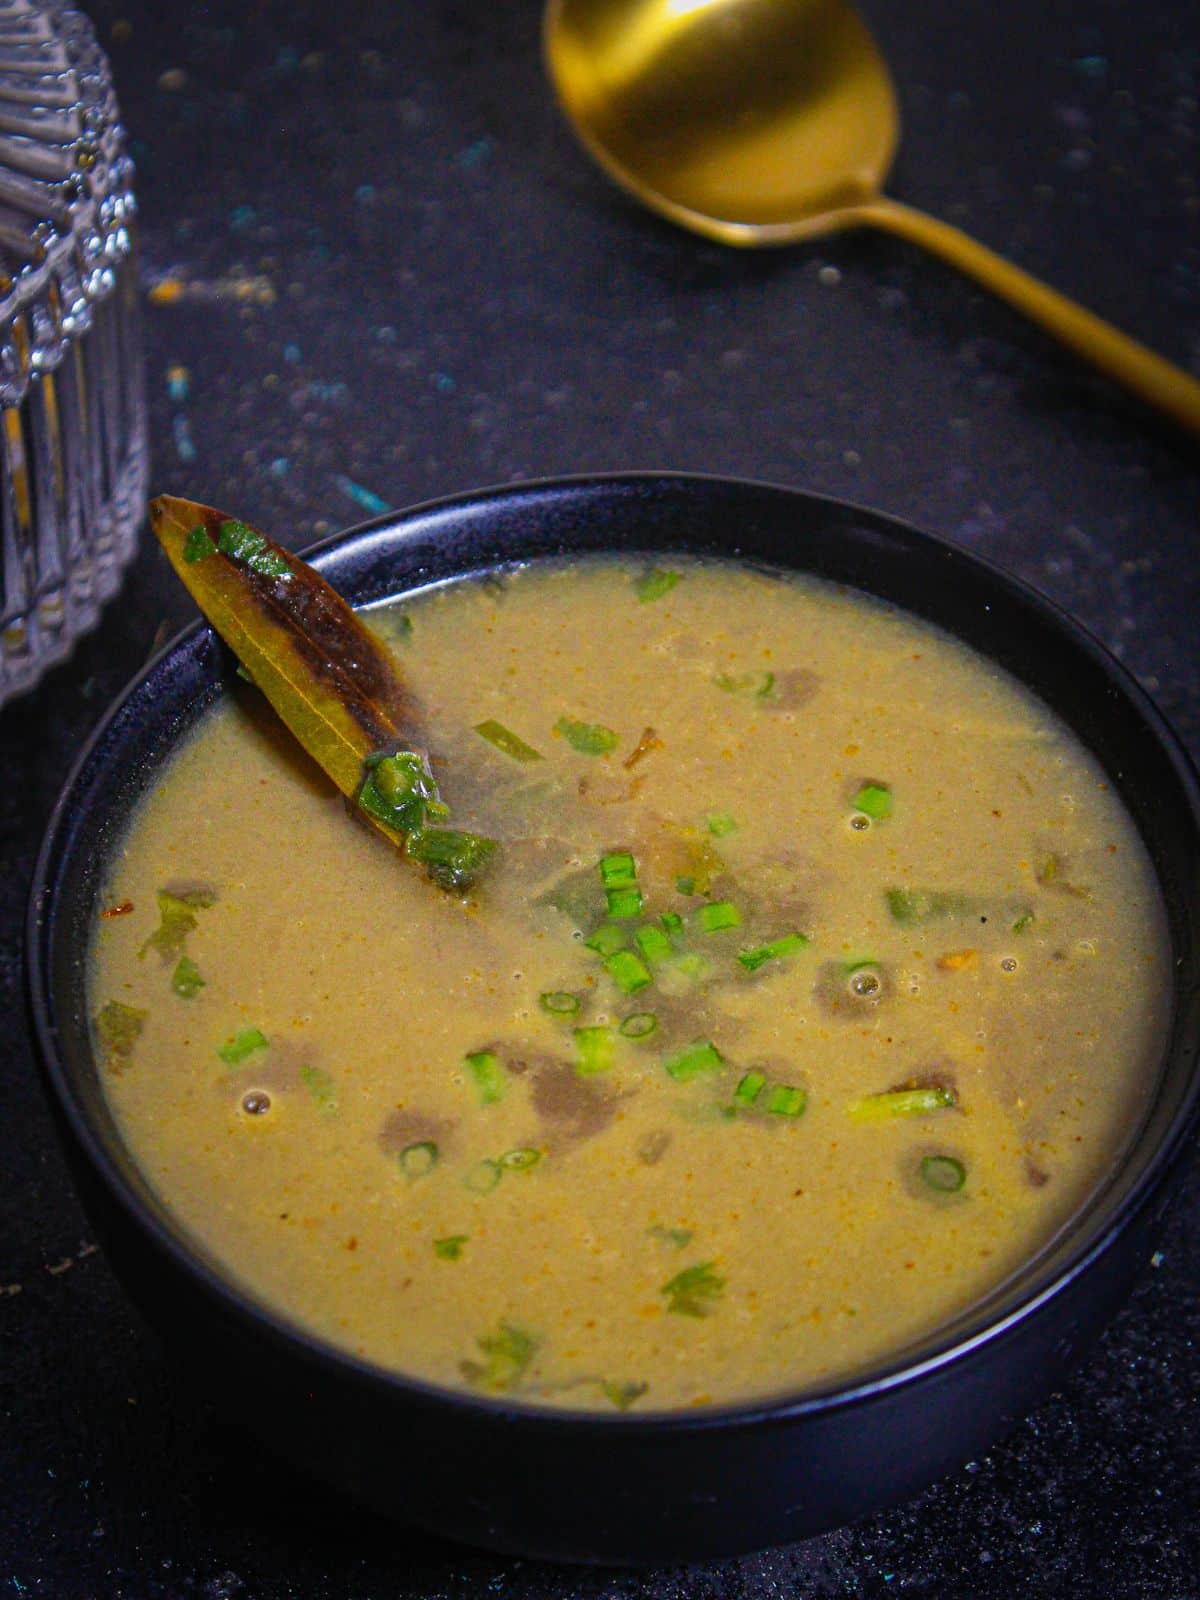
{"x": 820, "y": 979}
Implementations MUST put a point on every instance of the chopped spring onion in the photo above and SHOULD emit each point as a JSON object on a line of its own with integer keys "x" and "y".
{"x": 772, "y": 951}
{"x": 901, "y": 1103}
{"x": 595, "y": 1046}
{"x": 321, "y": 1086}
{"x": 639, "y": 1025}
{"x": 606, "y": 939}
{"x": 589, "y": 738}
{"x": 855, "y": 964}
{"x": 691, "y": 964}
{"x": 749, "y": 1089}
{"x": 507, "y": 1353}
{"x": 718, "y": 914}
{"x": 699, "y": 1058}
{"x": 186, "y": 979}
{"x": 656, "y": 583}
{"x": 418, "y": 1160}
{"x": 1024, "y": 921}
{"x": 721, "y": 823}
{"x": 250, "y": 548}
{"x": 523, "y": 1159}
{"x": 785, "y": 1100}
{"x": 242, "y": 1044}
{"x": 692, "y": 1292}
{"x": 176, "y": 919}
{"x": 627, "y": 970}
{"x": 874, "y": 800}
{"x": 452, "y": 858}
{"x": 197, "y": 545}
{"x": 686, "y": 885}
{"x": 653, "y": 943}
{"x": 399, "y": 790}
{"x": 484, "y": 1176}
{"x": 672, "y": 922}
{"x": 618, "y": 870}
{"x": 507, "y": 742}
{"x": 451, "y": 1247}
{"x": 625, "y": 903}
{"x": 753, "y": 685}
{"x": 486, "y": 1075}
{"x": 559, "y": 1002}
{"x": 943, "y": 1173}
{"x": 926, "y": 905}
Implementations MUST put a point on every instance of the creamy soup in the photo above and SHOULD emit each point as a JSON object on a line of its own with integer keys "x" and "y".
{"x": 819, "y": 980}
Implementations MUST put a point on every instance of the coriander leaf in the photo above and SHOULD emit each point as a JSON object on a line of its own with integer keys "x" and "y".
{"x": 693, "y": 1292}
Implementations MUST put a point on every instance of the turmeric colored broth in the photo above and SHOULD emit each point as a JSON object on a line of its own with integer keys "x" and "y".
{"x": 343, "y": 1083}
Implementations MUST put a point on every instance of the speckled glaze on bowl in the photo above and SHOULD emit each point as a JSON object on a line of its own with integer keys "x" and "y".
{"x": 672, "y": 1486}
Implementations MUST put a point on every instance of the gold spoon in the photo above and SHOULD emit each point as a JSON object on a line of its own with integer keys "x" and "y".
{"x": 765, "y": 121}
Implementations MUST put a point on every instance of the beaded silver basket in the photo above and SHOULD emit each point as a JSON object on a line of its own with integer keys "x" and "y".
{"x": 73, "y": 442}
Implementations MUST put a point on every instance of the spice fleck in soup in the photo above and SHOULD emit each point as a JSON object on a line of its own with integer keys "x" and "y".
{"x": 819, "y": 980}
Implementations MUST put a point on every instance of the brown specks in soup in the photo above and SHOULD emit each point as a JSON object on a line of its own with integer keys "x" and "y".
{"x": 707, "y": 1092}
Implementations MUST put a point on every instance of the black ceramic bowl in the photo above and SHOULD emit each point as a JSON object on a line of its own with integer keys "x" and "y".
{"x": 632, "y": 1488}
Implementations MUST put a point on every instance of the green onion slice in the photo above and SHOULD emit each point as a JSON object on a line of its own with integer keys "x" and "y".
{"x": 751, "y": 685}
{"x": 656, "y": 583}
{"x": 627, "y": 970}
{"x": 484, "y": 1176}
{"x": 624, "y": 904}
{"x": 522, "y": 1159}
{"x": 653, "y": 943}
{"x": 418, "y": 1160}
{"x": 749, "y": 1089}
{"x": 243, "y": 1043}
{"x": 487, "y": 1076}
{"x": 595, "y": 1046}
{"x": 943, "y": 1173}
{"x": 451, "y": 1247}
{"x": 901, "y": 1103}
{"x": 639, "y": 1025}
{"x": 698, "y": 1059}
{"x": 721, "y": 823}
{"x": 559, "y": 1002}
{"x": 186, "y": 980}
{"x": 606, "y": 939}
{"x": 589, "y": 738}
{"x": 718, "y": 914}
{"x": 672, "y": 922}
{"x": 618, "y": 870}
{"x": 506, "y": 741}
{"x": 772, "y": 951}
{"x": 874, "y": 800}
{"x": 785, "y": 1100}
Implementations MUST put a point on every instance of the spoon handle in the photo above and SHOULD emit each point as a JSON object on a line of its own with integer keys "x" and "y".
{"x": 1159, "y": 382}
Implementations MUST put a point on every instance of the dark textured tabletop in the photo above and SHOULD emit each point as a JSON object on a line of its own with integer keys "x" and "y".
{"x": 396, "y": 277}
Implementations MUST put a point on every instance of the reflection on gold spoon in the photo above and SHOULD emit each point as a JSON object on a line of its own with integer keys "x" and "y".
{"x": 766, "y": 121}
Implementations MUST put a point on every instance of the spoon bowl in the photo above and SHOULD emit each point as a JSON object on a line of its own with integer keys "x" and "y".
{"x": 759, "y": 122}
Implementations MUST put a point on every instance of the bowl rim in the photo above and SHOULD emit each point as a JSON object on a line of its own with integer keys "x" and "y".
{"x": 969, "y": 1332}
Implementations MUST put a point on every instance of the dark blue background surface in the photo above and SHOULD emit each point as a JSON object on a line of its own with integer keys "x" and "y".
{"x": 400, "y": 279}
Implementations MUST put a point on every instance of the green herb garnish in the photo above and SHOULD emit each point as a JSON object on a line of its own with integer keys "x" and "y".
{"x": 943, "y": 1173}
{"x": 656, "y": 583}
{"x": 639, "y": 1025}
{"x": 653, "y": 943}
{"x": 322, "y": 1088}
{"x": 698, "y": 1059}
{"x": 451, "y": 1247}
{"x": 252, "y": 549}
{"x": 596, "y": 1050}
{"x": 909, "y": 906}
{"x": 627, "y": 970}
{"x": 751, "y": 685}
{"x": 484, "y": 1176}
{"x": 679, "y": 1237}
{"x": 186, "y": 980}
{"x": 507, "y": 742}
{"x": 718, "y": 915}
{"x": 453, "y": 859}
{"x": 1025, "y": 920}
{"x": 618, "y": 870}
{"x": 672, "y": 922}
{"x": 721, "y": 823}
{"x": 624, "y": 903}
{"x": 694, "y": 1291}
{"x": 559, "y": 1002}
{"x": 399, "y": 790}
{"x": 418, "y": 1160}
{"x": 198, "y": 545}
{"x": 486, "y": 1075}
{"x": 749, "y": 1089}
{"x": 242, "y": 1044}
{"x": 507, "y": 1354}
{"x": 901, "y": 1103}
{"x": 589, "y": 738}
{"x": 177, "y": 918}
{"x": 874, "y": 800}
{"x": 523, "y": 1159}
{"x": 606, "y": 939}
{"x": 785, "y": 1100}
{"x": 622, "y": 1395}
{"x": 773, "y": 951}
